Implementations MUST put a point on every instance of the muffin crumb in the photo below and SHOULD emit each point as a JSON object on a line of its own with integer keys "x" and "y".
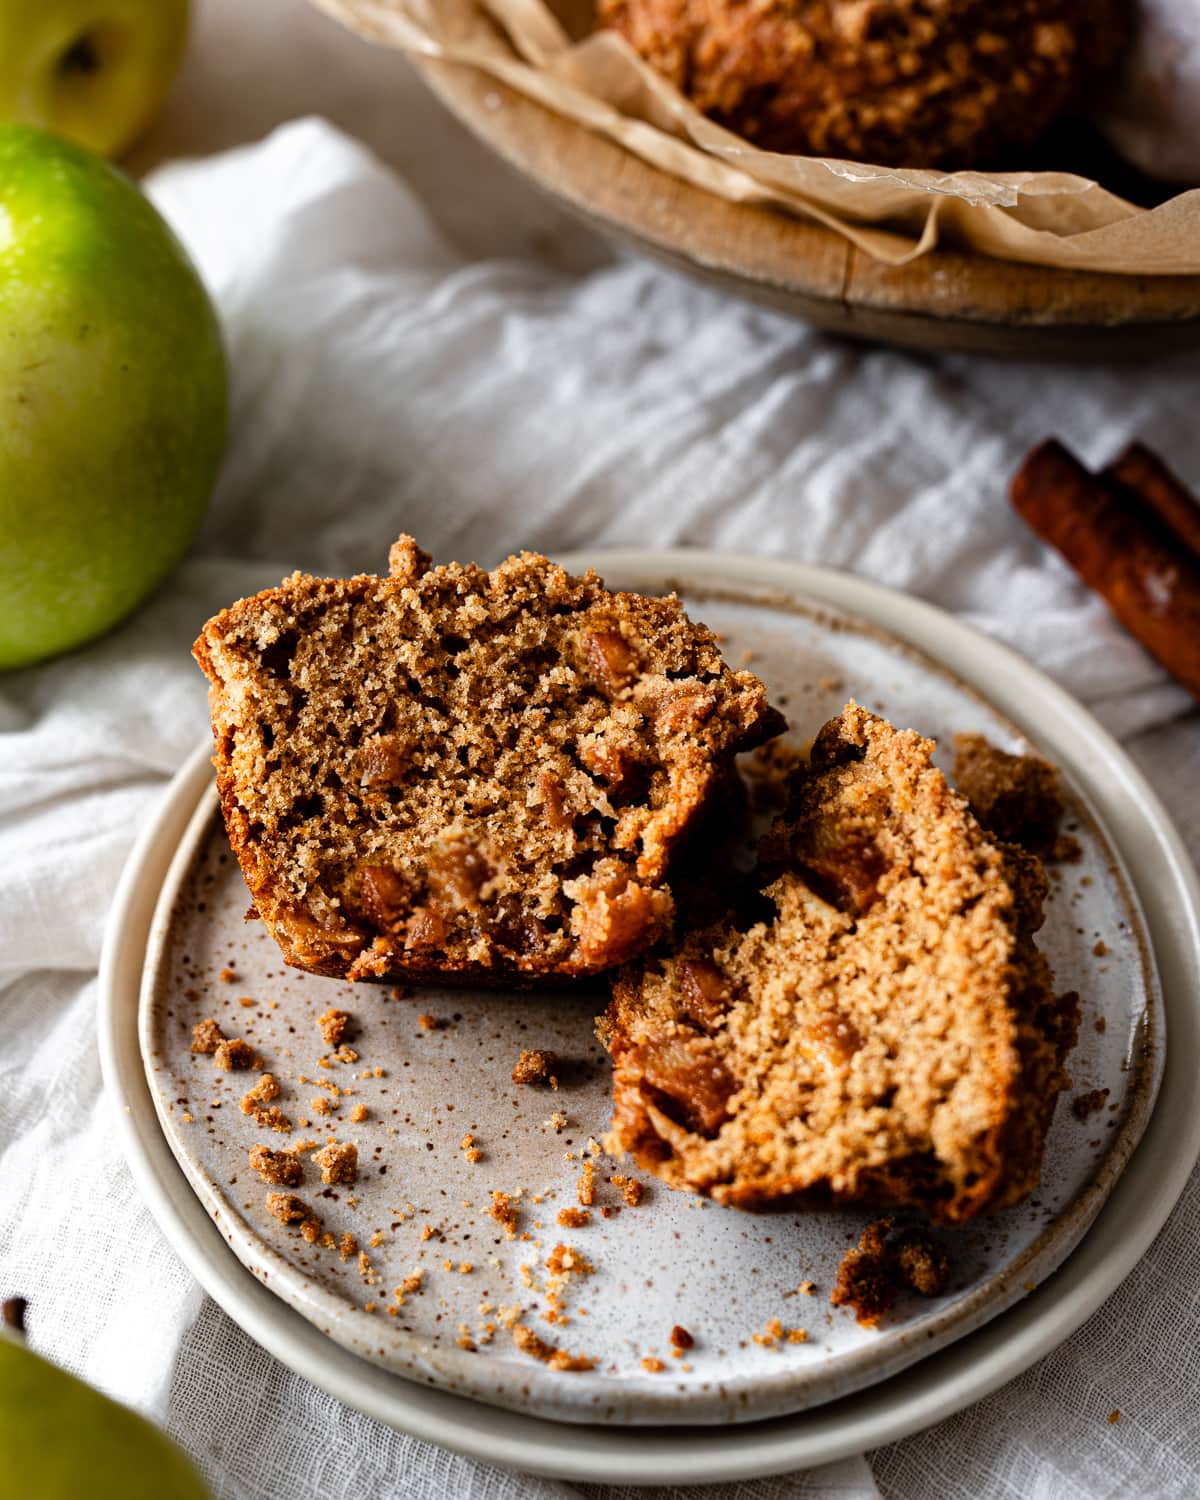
{"x": 279, "y": 1168}
{"x": 536, "y": 1067}
{"x": 207, "y": 1036}
{"x": 338, "y": 1162}
{"x": 233, "y": 1054}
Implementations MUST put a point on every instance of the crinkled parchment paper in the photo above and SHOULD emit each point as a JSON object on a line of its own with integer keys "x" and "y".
{"x": 548, "y": 51}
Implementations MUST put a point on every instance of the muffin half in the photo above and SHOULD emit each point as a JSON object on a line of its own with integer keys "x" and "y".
{"x": 449, "y": 773}
{"x": 883, "y": 1032}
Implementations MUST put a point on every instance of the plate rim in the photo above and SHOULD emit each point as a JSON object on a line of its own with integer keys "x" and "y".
{"x": 965, "y": 1371}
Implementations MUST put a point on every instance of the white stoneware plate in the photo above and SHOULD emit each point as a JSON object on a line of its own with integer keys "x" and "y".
{"x": 748, "y": 1264}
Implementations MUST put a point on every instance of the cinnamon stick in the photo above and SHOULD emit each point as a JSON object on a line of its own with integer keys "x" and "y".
{"x": 1142, "y": 471}
{"x": 1122, "y": 544}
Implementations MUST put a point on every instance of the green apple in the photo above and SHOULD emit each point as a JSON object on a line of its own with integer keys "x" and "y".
{"x": 94, "y": 70}
{"x": 61, "y": 1440}
{"x": 112, "y": 396}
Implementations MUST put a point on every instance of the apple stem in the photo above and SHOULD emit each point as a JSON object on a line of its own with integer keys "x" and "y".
{"x": 13, "y": 1313}
{"x": 80, "y": 57}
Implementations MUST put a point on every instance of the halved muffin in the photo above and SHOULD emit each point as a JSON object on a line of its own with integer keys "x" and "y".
{"x": 882, "y": 1031}
{"x": 450, "y": 772}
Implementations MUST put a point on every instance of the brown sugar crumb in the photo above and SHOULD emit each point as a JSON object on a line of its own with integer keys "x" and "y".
{"x": 289, "y": 1209}
{"x": 573, "y": 1218}
{"x": 279, "y": 1168}
{"x": 359, "y": 1113}
{"x": 334, "y": 1025}
{"x": 469, "y": 1149}
{"x": 338, "y": 1163}
{"x": 207, "y": 1036}
{"x": 632, "y": 1190}
{"x": 651, "y": 1365}
{"x": 585, "y": 1188}
{"x": 323, "y": 1106}
{"x": 528, "y": 1342}
{"x": 428, "y": 1023}
{"x": 506, "y": 1213}
{"x": 227, "y": 976}
{"x": 271, "y": 1118}
{"x": 536, "y": 1066}
{"x": 233, "y": 1054}
{"x": 1087, "y": 1104}
{"x": 347, "y": 1246}
{"x": 884, "y": 1262}
{"x": 681, "y": 1339}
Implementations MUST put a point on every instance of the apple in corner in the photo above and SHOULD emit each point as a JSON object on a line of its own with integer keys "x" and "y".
{"x": 96, "y": 71}
{"x": 113, "y": 396}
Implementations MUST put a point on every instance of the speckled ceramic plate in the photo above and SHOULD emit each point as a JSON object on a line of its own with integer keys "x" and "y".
{"x": 931, "y": 1388}
{"x": 420, "y": 1203}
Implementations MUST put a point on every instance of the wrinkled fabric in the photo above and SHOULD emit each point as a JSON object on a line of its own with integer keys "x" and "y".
{"x": 383, "y": 381}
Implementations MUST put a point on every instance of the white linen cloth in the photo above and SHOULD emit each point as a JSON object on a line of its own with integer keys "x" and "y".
{"x": 383, "y": 381}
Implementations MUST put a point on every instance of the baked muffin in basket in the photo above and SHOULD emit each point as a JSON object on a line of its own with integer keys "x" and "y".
{"x": 916, "y": 83}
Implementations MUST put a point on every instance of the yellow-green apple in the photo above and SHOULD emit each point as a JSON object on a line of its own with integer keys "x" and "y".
{"x": 112, "y": 396}
{"x": 61, "y": 1440}
{"x": 94, "y": 70}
